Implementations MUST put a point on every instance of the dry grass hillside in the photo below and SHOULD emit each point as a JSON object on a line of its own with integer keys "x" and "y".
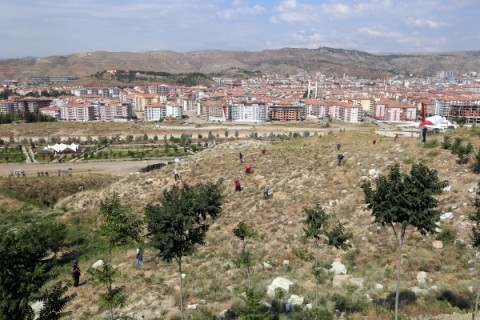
{"x": 301, "y": 173}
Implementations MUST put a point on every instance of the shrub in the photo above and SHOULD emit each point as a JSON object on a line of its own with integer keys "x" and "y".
{"x": 431, "y": 144}
{"x": 348, "y": 305}
{"x": 312, "y": 314}
{"x": 455, "y": 299}
{"x": 406, "y": 297}
{"x": 448, "y": 234}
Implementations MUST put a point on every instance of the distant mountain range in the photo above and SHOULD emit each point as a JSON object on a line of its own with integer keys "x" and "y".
{"x": 325, "y": 60}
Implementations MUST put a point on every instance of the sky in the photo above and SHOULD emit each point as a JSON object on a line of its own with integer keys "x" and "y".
{"x": 58, "y": 27}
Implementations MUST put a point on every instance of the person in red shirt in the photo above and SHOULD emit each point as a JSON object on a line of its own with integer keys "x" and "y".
{"x": 238, "y": 186}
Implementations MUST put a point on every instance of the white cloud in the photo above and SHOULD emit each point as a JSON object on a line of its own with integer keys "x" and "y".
{"x": 238, "y": 12}
{"x": 380, "y": 34}
{"x": 425, "y": 23}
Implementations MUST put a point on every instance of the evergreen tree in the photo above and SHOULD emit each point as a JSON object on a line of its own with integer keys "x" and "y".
{"x": 179, "y": 223}
{"x": 402, "y": 200}
{"x": 244, "y": 232}
{"x": 475, "y": 238}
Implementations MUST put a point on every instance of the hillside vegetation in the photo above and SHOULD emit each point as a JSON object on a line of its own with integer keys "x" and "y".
{"x": 301, "y": 172}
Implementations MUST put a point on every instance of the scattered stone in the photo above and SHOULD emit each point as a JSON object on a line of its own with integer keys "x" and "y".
{"x": 183, "y": 275}
{"x": 278, "y": 282}
{"x": 308, "y": 306}
{"x": 344, "y": 191}
{"x": 98, "y": 264}
{"x": 295, "y": 300}
{"x": 418, "y": 290}
{"x": 471, "y": 190}
{"x": 437, "y": 244}
{"x": 203, "y": 301}
{"x": 192, "y": 306}
{"x": 364, "y": 238}
{"x": 358, "y": 282}
{"x": 286, "y": 262}
{"x": 267, "y": 266}
{"x": 378, "y": 286}
{"x": 37, "y": 307}
{"x": 447, "y": 188}
{"x": 338, "y": 268}
{"x": 446, "y": 216}
{"x": 422, "y": 277}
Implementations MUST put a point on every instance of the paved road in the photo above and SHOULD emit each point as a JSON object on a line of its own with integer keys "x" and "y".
{"x": 120, "y": 168}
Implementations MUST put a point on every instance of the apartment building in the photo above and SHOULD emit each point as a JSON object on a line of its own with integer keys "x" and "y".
{"x": 115, "y": 112}
{"x": 77, "y": 112}
{"x": 350, "y": 113}
{"x": 7, "y": 107}
{"x": 215, "y": 111}
{"x": 174, "y": 110}
{"x": 155, "y": 112}
{"x": 393, "y": 111}
{"x": 454, "y": 108}
{"x": 53, "y": 112}
{"x": 143, "y": 99}
{"x": 248, "y": 111}
{"x": 286, "y": 113}
{"x": 31, "y": 104}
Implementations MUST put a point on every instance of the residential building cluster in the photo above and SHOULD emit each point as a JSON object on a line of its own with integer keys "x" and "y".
{"x": 260, "y": 99}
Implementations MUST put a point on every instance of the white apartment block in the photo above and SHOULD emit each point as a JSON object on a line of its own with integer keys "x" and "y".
{"x": 155, "y": 112}
{"x": 54, "y": 112}
{"x": 250, "y": 112}
{"x": 82, "y": 113}
{"x": 174, "y": 110}
{"x": 115, "y": 112}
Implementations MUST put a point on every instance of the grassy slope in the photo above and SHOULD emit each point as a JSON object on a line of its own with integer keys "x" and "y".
{"x": 301, "y": 172}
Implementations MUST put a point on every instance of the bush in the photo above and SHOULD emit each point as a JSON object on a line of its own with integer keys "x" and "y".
{"x": 431, "y": 144}
{"x": 405, "y": 298}
{"x": 312, "y": 314}
{"x": 447, "y": 234}
{"x": 348, "y": 305}
{"x": 455, "y": 299}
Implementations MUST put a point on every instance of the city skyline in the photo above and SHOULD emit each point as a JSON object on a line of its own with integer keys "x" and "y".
{"x": 48, "y": 27}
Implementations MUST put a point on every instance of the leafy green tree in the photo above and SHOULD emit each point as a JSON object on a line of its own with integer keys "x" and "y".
{"x": 119, "y": 225}
{"x": 244, "y": 232}
{"x": 476, "y": 164}
{"x": 54, "y": 303}
{"x": 475, "y": 238}
{"x": 402, "y": 200}
{"x": 26, "y": 267}
{"x": 317, "y": 229}
{"x": 114, "y": 297}
{"x": 179, "y": 223}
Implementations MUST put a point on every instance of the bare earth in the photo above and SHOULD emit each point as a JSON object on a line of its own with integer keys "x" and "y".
{"x": 120, "y": 168}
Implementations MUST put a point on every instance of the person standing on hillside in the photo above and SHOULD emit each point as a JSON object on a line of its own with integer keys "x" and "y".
{"x": 340, "y": 158}
{"x": 238, "y": 186}
{"x": 75, "y": 272}
{"x": 266, "y": 190}
{"x": 241, "y": 157}
{"x": 139, "y": 257}
{"x": 176, "y": 175}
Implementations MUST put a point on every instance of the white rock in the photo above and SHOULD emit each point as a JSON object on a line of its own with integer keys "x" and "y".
{"x": 203, "y": 301}
{"x": 358, "y": 282}
{"x": 340, "y": 279}
{"x": 378, "y": 286}
{"x": 447, "y": 188}
{"x": 98, "y": 264}
{"x": 267, "y": 266}
{"x": 278, "y": 282}
{"x": 446, "y": 216}
{"x": 183, "y": 275}
{"x": 418, "y": 290}
{"x": 192, "y": 306}
{"x": 308, "y": 306}
{"x": 471, "y": 190}
{"x": 296, "y": 300}
{"x": 437, "y": 244}
{"x": 286, "y": 262}
{"x": 338, "y": 268}
{"x": 372, "y": 172}
{"x": 422, "y": 277}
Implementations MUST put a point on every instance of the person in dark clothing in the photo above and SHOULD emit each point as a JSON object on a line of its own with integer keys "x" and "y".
{"x": 266, "y": 190}
{"x": 139, "y": 257}
{"x": 75, "y": 272}
{"x": 238, "y": 186}
{"x": 241, "y": 157}
{"x": 340, "y": 158}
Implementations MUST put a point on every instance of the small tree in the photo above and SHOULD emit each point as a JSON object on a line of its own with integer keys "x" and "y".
{"x": 475, "y": 238}
{"x": 119, "y": 225}
{"x": 54, "y": 303}
{"x": 244, "y": 232}
{"x": 316, "y": 228}
{"x": 402, "y": 200}
{"x": 180, "y": 223}
{"x": 476, "y": 164}
{"x": 447, "y": 143}
{"x": 114, "y": 297}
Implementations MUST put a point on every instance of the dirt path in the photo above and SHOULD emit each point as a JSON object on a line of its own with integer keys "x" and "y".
{"x": 120, "y": 168}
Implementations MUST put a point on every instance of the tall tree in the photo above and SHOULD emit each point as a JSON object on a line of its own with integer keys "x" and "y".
{"x": 402, "y": 200}
{"x": 26, "y": 266}
{"x": 180, "y": 222}
{"x": 317, "y": 229}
